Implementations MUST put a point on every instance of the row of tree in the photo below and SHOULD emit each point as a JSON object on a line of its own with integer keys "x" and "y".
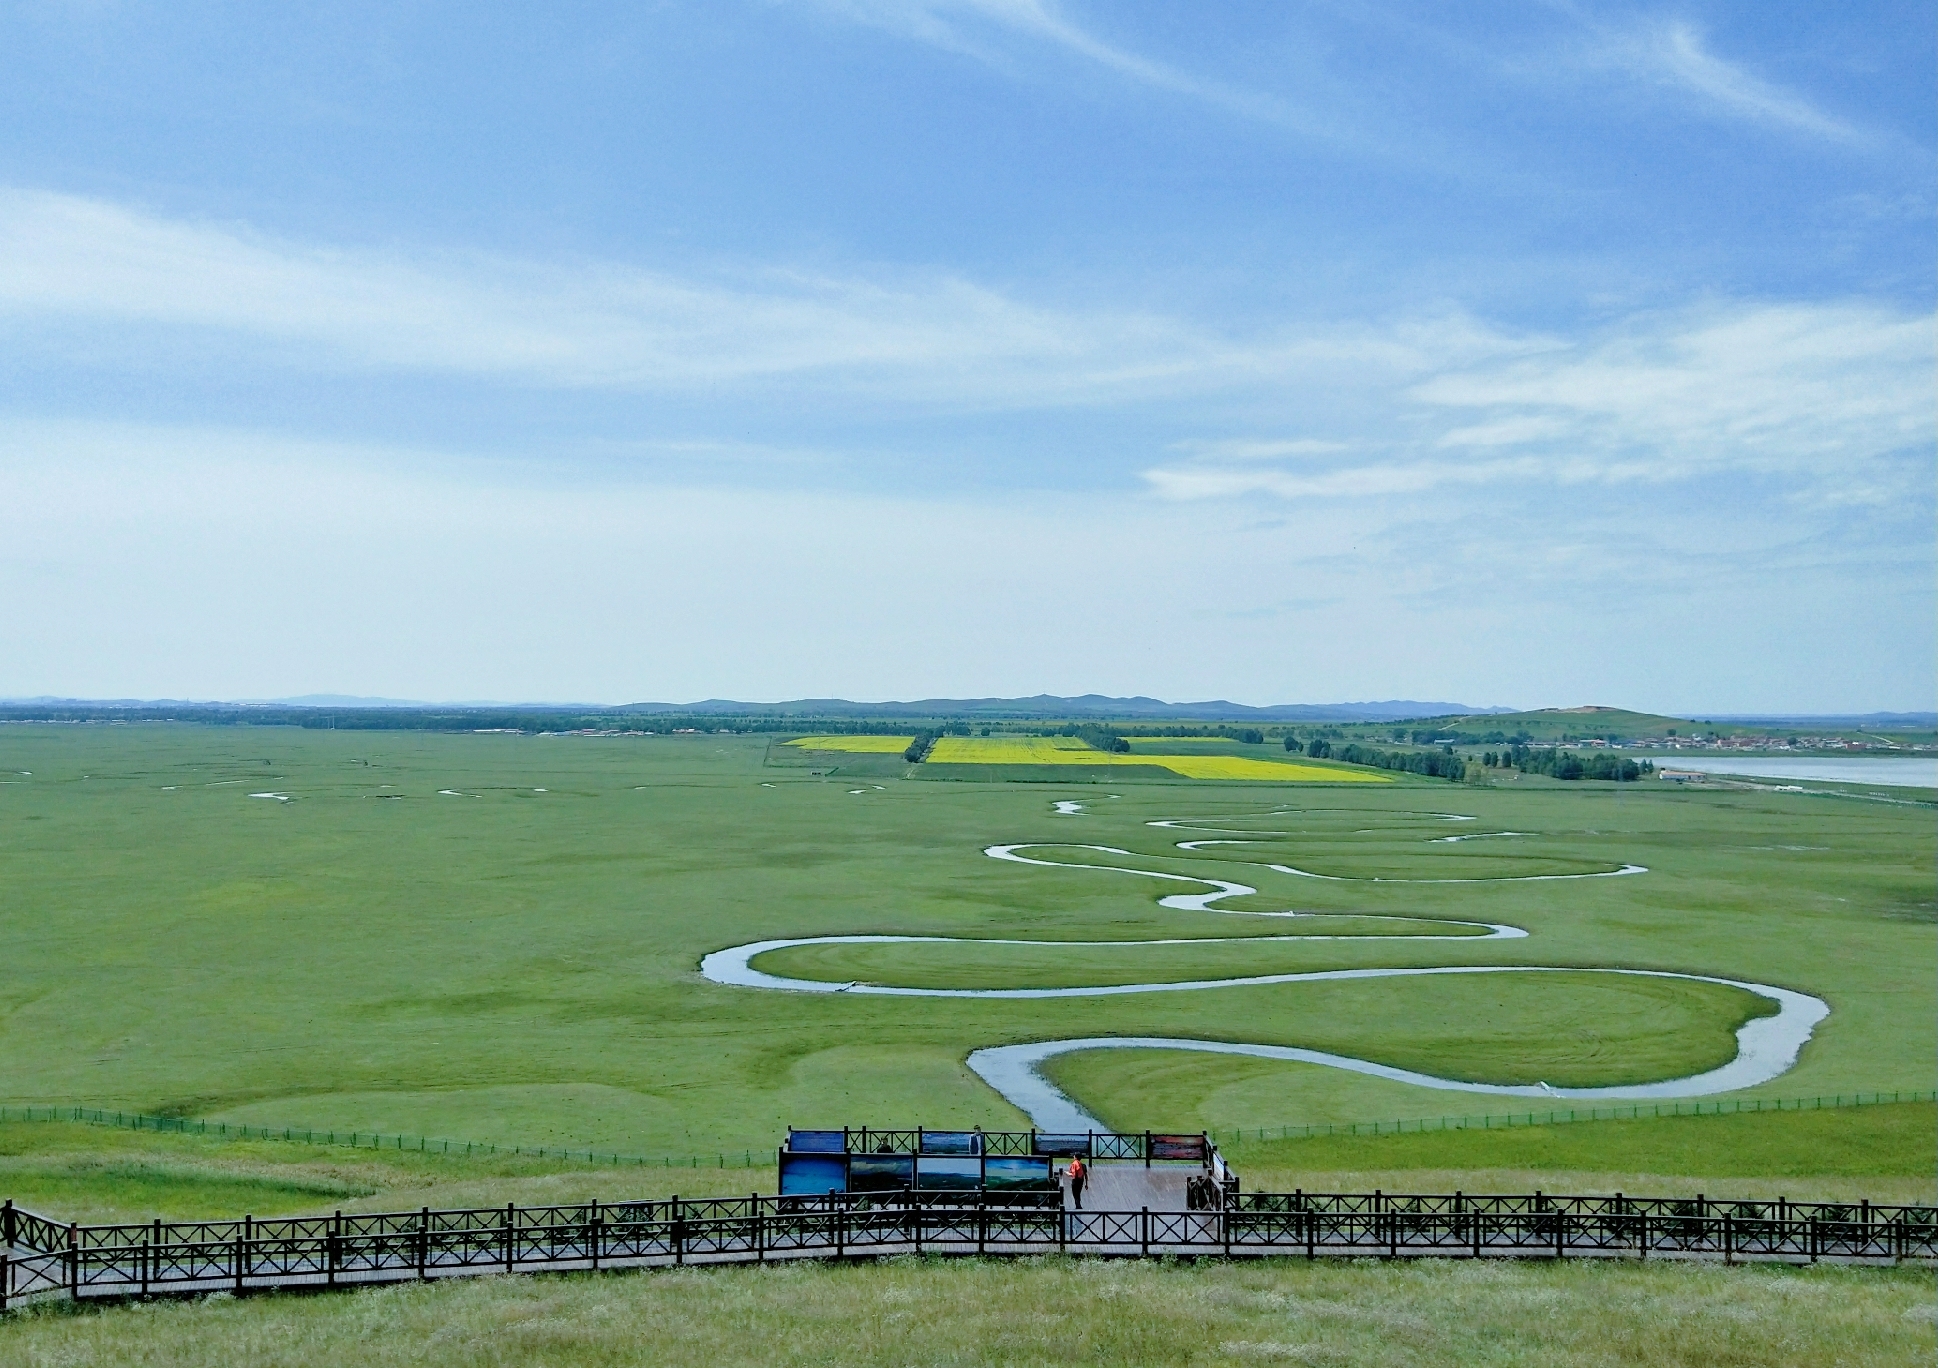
{"x": 1251, "y": 736}
{"x": 1439, "y": 764}
{"x": 1566, "y": 764}
{"x": 1099, "y": 738}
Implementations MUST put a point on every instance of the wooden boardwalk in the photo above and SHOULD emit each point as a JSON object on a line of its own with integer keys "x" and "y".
{"x": 1130, "y": 1186}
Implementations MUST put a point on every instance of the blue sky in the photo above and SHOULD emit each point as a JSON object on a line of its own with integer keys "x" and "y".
{"x": 1510, "y": 353}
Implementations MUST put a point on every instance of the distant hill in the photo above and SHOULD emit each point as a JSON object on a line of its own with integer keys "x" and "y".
{"x": 1084, "y": 705}
{"x": 1553, "y": 724}
{"x": 351, "y": 710}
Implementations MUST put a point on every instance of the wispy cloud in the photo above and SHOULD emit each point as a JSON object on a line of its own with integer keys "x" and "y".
{"x": 913, "y": 338}
{"x": 1834, "y": 400}
{"x": 1253, "y": 449}
{"x": 960, "y": 25}
{"x": 1676, "y": 54}
{"x": 587, "y": 324}
{"x": 1827, "y": 396}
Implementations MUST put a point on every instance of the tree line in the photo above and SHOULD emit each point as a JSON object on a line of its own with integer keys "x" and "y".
{"x": 1567, "y": 764}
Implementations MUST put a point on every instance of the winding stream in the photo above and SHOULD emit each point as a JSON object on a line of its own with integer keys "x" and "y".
{"x": 1766, "y": 1047}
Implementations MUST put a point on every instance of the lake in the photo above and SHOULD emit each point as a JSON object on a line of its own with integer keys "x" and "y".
{"x": 1899, "y": 771}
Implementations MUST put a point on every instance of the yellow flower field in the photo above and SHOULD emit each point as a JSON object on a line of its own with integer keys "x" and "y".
{"x": 1244, "y": 767}
{"x": 857, "y": 745}
{"x": 1068, "y": 750}
{"x": 1010, "y": 750}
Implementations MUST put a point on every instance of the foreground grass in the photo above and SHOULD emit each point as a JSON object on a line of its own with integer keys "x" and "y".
{"x": 1049, "y": 1311}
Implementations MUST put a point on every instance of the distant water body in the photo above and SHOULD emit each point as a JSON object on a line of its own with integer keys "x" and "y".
{"x": 1901, "y": 771}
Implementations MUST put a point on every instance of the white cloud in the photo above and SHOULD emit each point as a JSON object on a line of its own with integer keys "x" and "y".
{"x": 1809, "y": 389}
{"x": 1506, "y": 432}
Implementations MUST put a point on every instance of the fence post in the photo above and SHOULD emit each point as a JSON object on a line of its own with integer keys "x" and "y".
{"x": 760, "y": 1231}
{"x": 1144, "y": 1226}
{"x": 6, "y": 1279}
{"x": 7, "y": 1222}
{"x": 74, "y": 1262}
{"x": 332, "y": 1252}
{"x": 1729, "y": 1239}
{"x": 679, "y": 1231}
{"x": 423, "y": 1243}
{"x": 511, "y": 1237}
{"x": 982, "y": 1220}
{"x": 1147, "y": 1149}
{"x": 598, "y": 1226}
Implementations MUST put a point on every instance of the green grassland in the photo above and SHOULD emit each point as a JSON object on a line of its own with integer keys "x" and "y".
{"x": 516, "y": 959}
{"x": 1043, "y": 1311}
{"x": 100, "y": 1174}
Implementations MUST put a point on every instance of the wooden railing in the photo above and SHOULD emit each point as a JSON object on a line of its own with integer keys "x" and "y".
{"x": 45, "y": 1258}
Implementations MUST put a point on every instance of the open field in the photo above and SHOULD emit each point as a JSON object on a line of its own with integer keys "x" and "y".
{"x": 1042, "y": 1311}
{"x": 497, "y": 937}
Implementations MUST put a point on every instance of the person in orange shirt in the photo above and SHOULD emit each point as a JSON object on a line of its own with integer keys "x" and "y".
{"x": 1078, "y": 1175}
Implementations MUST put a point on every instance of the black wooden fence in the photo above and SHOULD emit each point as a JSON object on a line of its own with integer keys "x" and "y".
{"x": 49, "y": 1259}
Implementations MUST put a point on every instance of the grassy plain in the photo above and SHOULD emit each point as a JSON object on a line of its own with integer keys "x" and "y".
{"x": 1047, "y": 1311}
{"x": 497, "y": 937}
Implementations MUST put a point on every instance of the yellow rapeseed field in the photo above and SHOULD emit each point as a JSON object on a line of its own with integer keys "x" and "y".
{"x": 860, "y": 745}
{"x": 1244, "y": 767}
{"x": 1011, "y": 750}
{"x": 1068, "y": 750}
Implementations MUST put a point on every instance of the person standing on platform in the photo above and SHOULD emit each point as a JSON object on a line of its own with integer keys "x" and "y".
{"x": 1078, "y": 1175}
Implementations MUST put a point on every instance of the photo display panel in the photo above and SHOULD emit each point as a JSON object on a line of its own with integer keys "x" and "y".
{"x": 1062, "y": 1146}
{"x": 817, "y": 1141}
{"x": 952, "y": 1142}
{"x": 1017, "y": 1171}
{"x": 935, "y": 1173}
{"x": 880, "y": 1172}
{"x": 804, "y": 1175}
